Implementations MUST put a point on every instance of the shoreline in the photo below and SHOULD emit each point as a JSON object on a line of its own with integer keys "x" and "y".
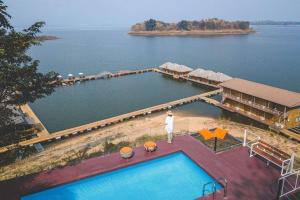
{"x": 57, "y": 154}
{"x": 193, "y": 33}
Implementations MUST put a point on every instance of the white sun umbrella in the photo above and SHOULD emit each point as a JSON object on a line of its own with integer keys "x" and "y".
{"x": 80, "y": 73}
{"x": 70, "y": 75}
{"x": 59, "y": 76}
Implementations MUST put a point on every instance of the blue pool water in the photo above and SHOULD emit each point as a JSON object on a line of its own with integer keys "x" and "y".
{"x": 170, "y": 177}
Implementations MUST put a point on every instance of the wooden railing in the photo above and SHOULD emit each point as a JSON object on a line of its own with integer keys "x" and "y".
{"x": 253, "y": 104}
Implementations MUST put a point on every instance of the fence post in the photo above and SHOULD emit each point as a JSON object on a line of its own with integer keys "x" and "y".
{"x": 292, "y": 162}
{"x": 245, "y": 138}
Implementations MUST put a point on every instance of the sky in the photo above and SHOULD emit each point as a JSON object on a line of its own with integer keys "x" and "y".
{"x": 122, "y": 13}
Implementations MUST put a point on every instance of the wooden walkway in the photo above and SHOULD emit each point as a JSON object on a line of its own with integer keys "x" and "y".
{"x": 290, "y": 134}
{"x": 28, "y": 111}
{"x": 245, "y": 114}
{"x": 95, "y": 77}
{"x": 114, "y": 120}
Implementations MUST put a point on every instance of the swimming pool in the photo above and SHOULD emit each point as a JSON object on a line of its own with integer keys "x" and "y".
{"x": 174, "y": 176}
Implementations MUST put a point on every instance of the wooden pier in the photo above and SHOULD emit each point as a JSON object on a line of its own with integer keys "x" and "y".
{"x": 114, "y": 120}
{"x": 72, "y": 80}
{"x": 26, "y": 109}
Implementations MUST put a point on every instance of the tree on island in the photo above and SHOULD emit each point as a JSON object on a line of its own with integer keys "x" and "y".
{"x": 183, "y": 25}
{"x": 20, "y": 81}
{"x": 244, "y": 25}
{"x": 150, "y": 25}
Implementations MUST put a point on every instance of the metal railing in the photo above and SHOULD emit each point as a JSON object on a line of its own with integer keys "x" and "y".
{"x": 249, "y": 143}
{"x": 213, "y": 187}
{"x": 225, "y": 185}
{"x": 286, "y": 165}
{"x": 288, "y": 184}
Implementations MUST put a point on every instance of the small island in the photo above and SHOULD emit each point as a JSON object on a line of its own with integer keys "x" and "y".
{"x": 207, "y": 27}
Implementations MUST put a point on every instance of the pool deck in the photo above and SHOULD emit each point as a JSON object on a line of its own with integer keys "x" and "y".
{"x": 248, "y": 178}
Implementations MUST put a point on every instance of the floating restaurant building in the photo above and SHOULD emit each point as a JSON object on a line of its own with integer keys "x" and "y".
{"x": 208, "y": 77}
{"x": 269, "y": 105}
{"x": 175, "y": 69}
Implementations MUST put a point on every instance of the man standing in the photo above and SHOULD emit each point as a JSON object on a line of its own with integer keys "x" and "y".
{"x": 169, "y": 122}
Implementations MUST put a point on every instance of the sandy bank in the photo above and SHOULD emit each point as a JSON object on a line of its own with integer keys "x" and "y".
{"x": 193, "y": 33}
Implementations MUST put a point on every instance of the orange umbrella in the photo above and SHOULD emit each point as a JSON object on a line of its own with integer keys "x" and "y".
{"x": 206, "y": 134}
{"x": 220, "y": 133}
{"x": 217, "y": 133}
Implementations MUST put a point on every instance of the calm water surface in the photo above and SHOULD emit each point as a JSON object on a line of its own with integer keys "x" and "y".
{"x": 269, "y": 56}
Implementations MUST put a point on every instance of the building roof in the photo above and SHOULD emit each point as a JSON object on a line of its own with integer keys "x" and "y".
{"x": 175, "y": 67}
{"x": 272, "y": 94}
{"x": 198, "y": 72}
{"x": 210, "y": 75}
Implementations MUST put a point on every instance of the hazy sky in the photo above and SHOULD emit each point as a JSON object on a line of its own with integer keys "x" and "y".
{"x": 98, "y": 13}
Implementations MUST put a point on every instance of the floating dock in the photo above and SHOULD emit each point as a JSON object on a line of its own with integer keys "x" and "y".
{"x": 72, "y": 80}
{"x": 114, "y": 120}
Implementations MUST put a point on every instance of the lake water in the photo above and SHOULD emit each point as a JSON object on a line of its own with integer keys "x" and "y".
{"x": 269, "y": 56}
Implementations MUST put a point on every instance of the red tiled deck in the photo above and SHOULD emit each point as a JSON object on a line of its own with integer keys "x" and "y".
{"x": 248, "y": 178}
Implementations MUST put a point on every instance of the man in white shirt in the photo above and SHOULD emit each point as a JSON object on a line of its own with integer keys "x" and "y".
{"x": 169, "y": 122}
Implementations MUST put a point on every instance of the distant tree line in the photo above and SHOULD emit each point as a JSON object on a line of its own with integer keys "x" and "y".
{"x": 206, "y": 24}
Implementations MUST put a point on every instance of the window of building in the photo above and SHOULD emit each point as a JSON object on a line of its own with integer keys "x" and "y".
{"x": 298, "y": 119}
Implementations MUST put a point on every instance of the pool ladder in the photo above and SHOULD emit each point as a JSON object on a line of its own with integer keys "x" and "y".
{"x": 213, "y": 187}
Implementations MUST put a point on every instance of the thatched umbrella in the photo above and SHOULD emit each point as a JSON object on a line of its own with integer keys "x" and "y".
{"x": 176, "y": 67}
